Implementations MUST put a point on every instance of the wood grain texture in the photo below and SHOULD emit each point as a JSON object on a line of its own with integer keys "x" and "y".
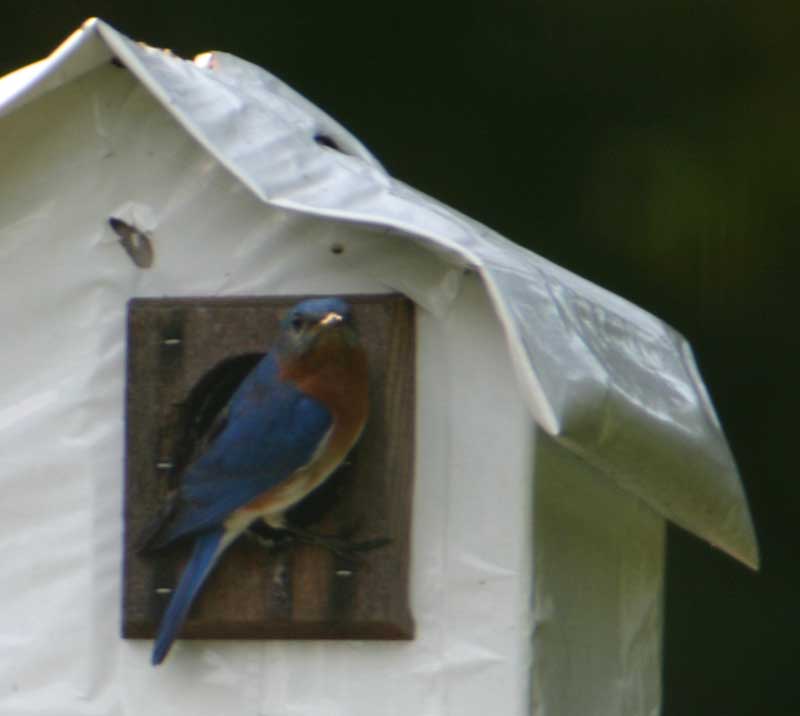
{"x": 301, "y": 591}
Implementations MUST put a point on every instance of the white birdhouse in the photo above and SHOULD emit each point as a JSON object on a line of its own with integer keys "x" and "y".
{"x": 557, "y": 427}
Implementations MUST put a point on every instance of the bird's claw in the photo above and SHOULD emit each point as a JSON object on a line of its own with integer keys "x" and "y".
{"x": 346, "y": 549}
{"x": 276, "y": 542}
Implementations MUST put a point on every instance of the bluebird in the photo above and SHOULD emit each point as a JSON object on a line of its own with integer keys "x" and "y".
{"x": 286, "y": 428}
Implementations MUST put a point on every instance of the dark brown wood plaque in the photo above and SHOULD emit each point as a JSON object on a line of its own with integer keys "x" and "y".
{"x": 302, "y": 591}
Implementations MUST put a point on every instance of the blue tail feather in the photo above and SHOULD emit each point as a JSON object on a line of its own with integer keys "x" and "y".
{"x": 207, "y": 548}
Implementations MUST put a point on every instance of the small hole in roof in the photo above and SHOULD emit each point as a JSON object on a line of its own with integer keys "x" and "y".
{"x": 327, "y": 141}
{"x": 337, "y": 249}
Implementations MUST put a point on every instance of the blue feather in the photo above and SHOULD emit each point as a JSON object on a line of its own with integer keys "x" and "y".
{"x": 207, "y": 548}
{"x": 272, "y": 430}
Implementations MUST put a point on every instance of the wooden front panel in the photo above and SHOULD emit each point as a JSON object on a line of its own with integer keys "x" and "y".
{"x": 302, "y": 591}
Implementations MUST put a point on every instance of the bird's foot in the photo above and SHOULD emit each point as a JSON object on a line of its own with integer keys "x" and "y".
{"x": 346, "y": 549}
{"x": 273, "y": 541}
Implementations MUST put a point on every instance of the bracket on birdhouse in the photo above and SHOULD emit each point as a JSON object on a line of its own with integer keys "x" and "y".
{"x": 185, "y": 357}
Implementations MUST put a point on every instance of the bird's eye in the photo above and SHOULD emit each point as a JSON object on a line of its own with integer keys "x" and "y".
{"x": 297, "y": 323}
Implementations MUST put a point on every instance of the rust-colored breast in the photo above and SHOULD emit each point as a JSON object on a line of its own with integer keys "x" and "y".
{"x": 336, "y": 374}
{"x": 339, "y": 380}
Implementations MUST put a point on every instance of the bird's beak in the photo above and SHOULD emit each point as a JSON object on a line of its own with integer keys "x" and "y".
{"x": 331, "y": 319}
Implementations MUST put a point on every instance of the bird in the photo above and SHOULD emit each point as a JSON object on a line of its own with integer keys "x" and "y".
{"x": 285, "y": 430}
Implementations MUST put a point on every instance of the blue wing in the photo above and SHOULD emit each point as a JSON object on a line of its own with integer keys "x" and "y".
{"x": 272, "y": 429}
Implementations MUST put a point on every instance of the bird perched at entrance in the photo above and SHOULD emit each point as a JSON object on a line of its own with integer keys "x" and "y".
{"x": 286, "y": 428}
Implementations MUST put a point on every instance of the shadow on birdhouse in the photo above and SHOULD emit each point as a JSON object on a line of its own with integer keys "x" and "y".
{"x": 185, "y": 359}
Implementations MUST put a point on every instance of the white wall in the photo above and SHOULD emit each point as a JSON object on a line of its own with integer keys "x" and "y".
{"x": 599, "y": 593}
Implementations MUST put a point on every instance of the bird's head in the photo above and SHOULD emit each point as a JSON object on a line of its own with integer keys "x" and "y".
{"x": 318, "y": 327}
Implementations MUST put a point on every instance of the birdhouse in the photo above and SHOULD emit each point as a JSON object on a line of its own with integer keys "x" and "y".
{"x": 530, "y": 433}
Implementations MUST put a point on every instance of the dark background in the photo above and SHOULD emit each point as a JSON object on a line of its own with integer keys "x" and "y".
{"x": 652, "y": 146}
